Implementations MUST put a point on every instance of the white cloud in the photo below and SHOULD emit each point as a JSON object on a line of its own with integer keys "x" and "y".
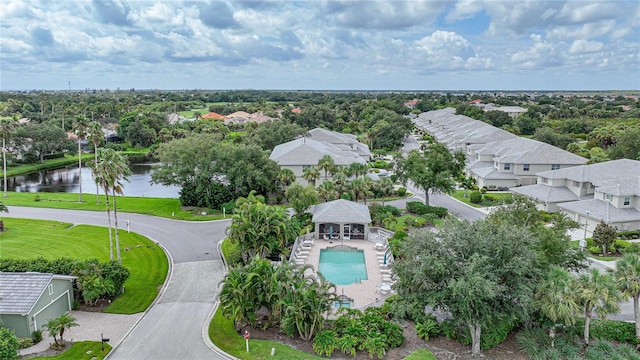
{"x": 582, "y": 46}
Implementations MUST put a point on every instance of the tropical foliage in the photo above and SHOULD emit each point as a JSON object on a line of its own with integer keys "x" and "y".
{"x": 293, "y": 300}
{"x": 59, "y": 325}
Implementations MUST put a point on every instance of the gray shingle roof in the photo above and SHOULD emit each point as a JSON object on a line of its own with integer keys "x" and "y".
{"x": 601, "y": 210}
{"x": 530, "y": 151}
{"x": 597, "y": 174}
{"x": 341, "y": 211}
{"x": 20, "y": 291}
{"x": 622, "y": 187}
{"x": 545, "y": 193}
{"x": 306, "y": 151}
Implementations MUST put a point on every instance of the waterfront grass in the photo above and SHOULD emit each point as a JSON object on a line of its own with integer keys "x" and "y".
{"x": 147, "y": 263}
{"x": 89, "y": 350}
{"x": 49, "y": 164}
{"x": 223, "y": 334}
{"x": 162, "y": 207}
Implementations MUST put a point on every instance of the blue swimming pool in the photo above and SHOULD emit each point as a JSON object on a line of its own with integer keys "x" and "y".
{"x": 342, "y": 266}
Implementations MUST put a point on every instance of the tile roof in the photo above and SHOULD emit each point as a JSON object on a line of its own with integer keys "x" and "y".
{"x": 20, "y": 291}
{"x": 306, "y": 151}
{"x": 341, "y": 211}
{"x": 546, "y": 193}
{"x": 213, "y": 115}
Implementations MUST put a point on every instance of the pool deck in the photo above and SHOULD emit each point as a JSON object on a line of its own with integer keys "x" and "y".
{"x": 366, "y": 293}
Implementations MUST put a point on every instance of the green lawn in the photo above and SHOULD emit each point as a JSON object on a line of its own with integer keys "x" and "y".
{"x": 223, "y": 334}
{"x": 47, "y": 165}
{"x": 147, "y": 263}
{"x": 421, "y": 354}
{"x": 168, "y": 208}
{"x": 80, "y": 351}
{"x": 500, "y": 197}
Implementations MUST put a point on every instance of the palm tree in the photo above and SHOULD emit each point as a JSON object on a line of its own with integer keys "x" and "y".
{"x": 7, "y": 127}
{"x": 80, "y": 127}
{"x": 97, "y": 137}
{"x": 627, "y": 277}
{"x": 596, "y": 292}
{"x": 120, "y": 171}
{"x": 286, "y": 178}
{"x": 59, "y": 325}
{"x": 327, "y": 164}
{"x": 359, "y": 169}
{"x": 108, "y": 171}
{"x": 385, "y": 188}
{"x": 359, "y": 189}
{"x": 327, "y": 191}
{"x": 311, "y": 174}
{"x": 555, "y": 299}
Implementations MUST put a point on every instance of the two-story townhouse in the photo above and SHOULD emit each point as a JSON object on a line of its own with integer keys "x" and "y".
{"x": 608, "y": 191}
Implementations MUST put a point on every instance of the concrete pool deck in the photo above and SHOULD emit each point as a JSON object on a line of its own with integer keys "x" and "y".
{"x": 366, "y": 293}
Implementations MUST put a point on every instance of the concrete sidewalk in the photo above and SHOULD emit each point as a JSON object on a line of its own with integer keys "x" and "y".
{"x": 91, "y": 326}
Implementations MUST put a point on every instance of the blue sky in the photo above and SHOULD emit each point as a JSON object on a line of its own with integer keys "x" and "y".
{"x": 320, "y": 44}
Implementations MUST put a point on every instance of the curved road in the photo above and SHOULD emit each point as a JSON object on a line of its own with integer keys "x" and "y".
{"x": 173, "y": 327}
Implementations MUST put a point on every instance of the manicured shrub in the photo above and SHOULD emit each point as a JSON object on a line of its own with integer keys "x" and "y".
{"x": 8, "y": 344}
{"x": 596, "y": 250}
{"x": 401, "y": 191}
{"x": 490, "y": 197}
{"x": 483, "y": 190}
{"x": 611, "y": 330}
{"x": 418, "y": 208}
{"x": 25, "y": 342}
{"x": 475, "y": 197}
{"x": 37, "y": 336}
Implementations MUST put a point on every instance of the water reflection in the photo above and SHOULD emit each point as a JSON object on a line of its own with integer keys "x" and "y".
{"x": 68, "y": 180}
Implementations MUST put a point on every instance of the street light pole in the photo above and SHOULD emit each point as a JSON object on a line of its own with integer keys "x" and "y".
{"x": 583, "y": 242}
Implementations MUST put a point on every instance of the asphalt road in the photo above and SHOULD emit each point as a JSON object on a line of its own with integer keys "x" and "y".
{"x": 175, "y": 327}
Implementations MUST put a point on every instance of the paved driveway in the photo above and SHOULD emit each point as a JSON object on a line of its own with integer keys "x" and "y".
{"x": 175, "y": 327}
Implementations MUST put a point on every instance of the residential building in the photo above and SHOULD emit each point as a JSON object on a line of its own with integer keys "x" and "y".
{"x": 496, "y": 159}
{"x": 608, "y": 191}
{"x": 29, "y": 300}
{"x": 305, "y": 152}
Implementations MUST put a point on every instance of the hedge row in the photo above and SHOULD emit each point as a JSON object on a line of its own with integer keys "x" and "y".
{"x": 418, "y": 208}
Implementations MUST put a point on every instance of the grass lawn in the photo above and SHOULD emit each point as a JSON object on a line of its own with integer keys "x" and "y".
{"x": 48, "y": 165}
{"x": 147, "y": 263}
{"x": 79, "y": 351}
{"x": 168, "y": 208}
{"x": 500, "y": 197}
{"x": 223, "y": 333}
{"x": 421, "y": 354}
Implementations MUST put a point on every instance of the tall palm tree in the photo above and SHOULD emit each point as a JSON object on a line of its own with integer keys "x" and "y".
{"x": 80, "y": 128}
{"x": 327, "y": 164}
{"x": 597, "y": 292}
{"x": 359, "y": 189}
{"x": 7, "y": 127}
{"x": 97, "y": 137}
{"x": 627, "y": 277}
{"x": 311, "y": 174}
{"x": 359, "y": 169}
{"x": 120, "y": 171}
{"x": 555, "y": 299}
{"x": 108, "y": 171}
{"x": 384, "y": 187}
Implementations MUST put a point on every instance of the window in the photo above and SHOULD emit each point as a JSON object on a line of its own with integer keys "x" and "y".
{"x": 576, "y": 184}
{"x": 555, "y": 166}
{"x": 627, "y": 200}
{"x": 306, "y": 167}
{"x": 543, "y": 180}
{"x": 607, "y": 197}
{"x": 525, "y": 167}
{"x": 507, "y": 166}
{"x": 50, "y": 289}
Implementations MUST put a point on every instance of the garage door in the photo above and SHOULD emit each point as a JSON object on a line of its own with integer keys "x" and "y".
{"x": 52, "y": 311}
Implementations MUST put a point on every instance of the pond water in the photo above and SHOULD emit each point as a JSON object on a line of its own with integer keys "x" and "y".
{"x": 68, "y": 180}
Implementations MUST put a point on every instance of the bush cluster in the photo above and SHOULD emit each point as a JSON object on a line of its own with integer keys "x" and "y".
{"x": 490, "y": 336}
{"x": 401, "y": 191}
{"x": 418, "y": 208}
{"x": 475, "y": 197}
{"x": 611, "y": 330}
{"x": 111, "y": 272}
{"x": 353, "y": 330}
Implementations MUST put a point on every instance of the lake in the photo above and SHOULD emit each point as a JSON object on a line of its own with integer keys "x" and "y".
{"x": 68, "y": 180}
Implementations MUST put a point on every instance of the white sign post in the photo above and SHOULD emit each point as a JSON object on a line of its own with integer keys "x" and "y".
{"x": 246, "y": 339}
